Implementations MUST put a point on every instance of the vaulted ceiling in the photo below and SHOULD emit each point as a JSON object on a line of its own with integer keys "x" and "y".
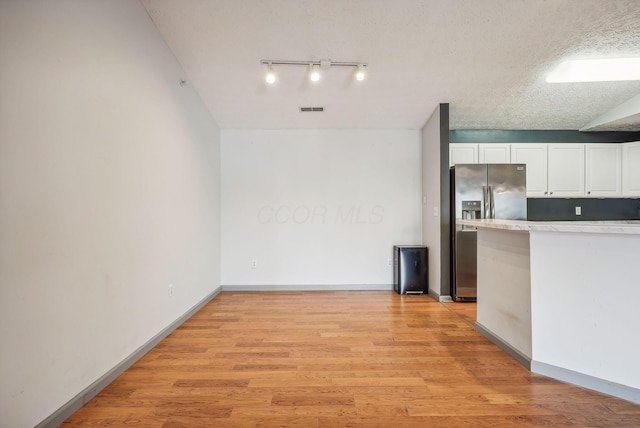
{"x": 486, "y": 58}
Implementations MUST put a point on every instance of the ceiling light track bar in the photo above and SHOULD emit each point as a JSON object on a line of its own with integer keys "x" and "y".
{"x": 315, "y": 62}
{"x": 315, "y": 67}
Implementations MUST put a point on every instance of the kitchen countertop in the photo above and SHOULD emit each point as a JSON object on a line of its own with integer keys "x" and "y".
{"x": 628, "y": 227}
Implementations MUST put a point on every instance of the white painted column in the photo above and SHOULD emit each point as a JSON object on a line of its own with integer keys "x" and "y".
{"x": 504, "y": 289}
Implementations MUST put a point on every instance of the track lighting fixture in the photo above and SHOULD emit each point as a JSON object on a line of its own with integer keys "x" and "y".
{"x": 314, "y": 68}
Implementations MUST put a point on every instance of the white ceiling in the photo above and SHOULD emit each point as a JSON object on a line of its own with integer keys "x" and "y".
{"x": 486, "y": 58}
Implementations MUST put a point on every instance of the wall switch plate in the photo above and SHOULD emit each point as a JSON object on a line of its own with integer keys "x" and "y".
{"x": 170, "y": 290}
{"x": 578, "y": 210}
{"x": 436, "y": 212}
{"x": 254, "y": 264}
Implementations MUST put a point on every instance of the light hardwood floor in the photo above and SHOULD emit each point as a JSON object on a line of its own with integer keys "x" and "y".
{"x": 338, "y": 359}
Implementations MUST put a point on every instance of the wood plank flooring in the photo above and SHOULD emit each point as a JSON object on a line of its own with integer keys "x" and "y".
{"x": 339, "y": 359}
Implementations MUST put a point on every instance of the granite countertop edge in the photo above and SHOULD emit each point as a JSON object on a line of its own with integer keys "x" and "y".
{"x": 630, "y": 227}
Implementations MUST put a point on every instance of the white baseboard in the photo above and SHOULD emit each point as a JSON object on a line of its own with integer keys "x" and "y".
{"x": 569, "y": 376}
{"x": 585, "y": 381}
{"x": 309, "y": 287}
{"x": 68, "y": 409}
{"x": 513, "y": 352}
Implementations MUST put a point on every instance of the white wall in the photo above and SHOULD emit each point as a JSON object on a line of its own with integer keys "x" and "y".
{"x": 431, "y": 235}
{"x": 584, "y": 295}
{"x": 317, "y": 207}
{"x": 109, "y": 191}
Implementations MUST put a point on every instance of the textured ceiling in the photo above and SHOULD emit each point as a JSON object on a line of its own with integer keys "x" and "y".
{"x": 486, "y": 58}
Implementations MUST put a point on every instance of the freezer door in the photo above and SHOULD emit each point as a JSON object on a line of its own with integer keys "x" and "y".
{"x": 468, "y": 180}
{"x": 508, "y": 185}
{"x": 466, "y": 264}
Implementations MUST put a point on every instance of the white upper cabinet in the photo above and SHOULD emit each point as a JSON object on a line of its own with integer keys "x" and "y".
{"x": 494, "y": 153}
{"x": 603, "y": 170}
{"x": 564, "y": 170}
{"x": 565, "y": 175}
{"x": 631, "y": 169}
{"x": 534, "y": 155}
{"x": 463, "y": 153}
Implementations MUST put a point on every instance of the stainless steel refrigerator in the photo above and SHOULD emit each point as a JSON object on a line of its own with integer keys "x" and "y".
{"x": 481, "y": 191}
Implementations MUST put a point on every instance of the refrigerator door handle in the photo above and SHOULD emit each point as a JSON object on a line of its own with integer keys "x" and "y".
{"x": 486, "y": 196}
{"x": 492, "y": 206}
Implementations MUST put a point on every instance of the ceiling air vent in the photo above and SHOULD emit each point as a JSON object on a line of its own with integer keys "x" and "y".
{"x": 312, "y": 109}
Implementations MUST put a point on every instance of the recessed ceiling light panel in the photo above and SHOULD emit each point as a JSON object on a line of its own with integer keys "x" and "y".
{"x": 596, "y": 70}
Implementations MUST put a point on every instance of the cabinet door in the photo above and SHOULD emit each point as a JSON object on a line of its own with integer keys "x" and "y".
{"x": 463, "y": 153}
{"x": 534, "y": 155}
{"x": 565, "y": 175}
{"x": 494, "y": 153}
{"x": 603, "y": 169}
{"x": 631, "y": 169}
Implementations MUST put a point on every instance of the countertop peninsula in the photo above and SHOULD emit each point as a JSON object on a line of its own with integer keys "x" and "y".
{"x": 561, "y": 298}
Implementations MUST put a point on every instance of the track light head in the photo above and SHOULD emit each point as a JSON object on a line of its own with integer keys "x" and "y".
{"x": 314, "y": 73}
{"x": 270, "y": 77}
{"x": 360, "y": 73}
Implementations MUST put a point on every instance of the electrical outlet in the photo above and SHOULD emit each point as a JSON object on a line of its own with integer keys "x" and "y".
{"x": 254, "y": 264}
{"x": 578, "y": 210}
{"x": 170, "y": 290}
{"x": 388, "y": 262}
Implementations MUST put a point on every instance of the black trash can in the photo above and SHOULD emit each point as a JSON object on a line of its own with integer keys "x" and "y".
{"x": 410, "y": 269}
